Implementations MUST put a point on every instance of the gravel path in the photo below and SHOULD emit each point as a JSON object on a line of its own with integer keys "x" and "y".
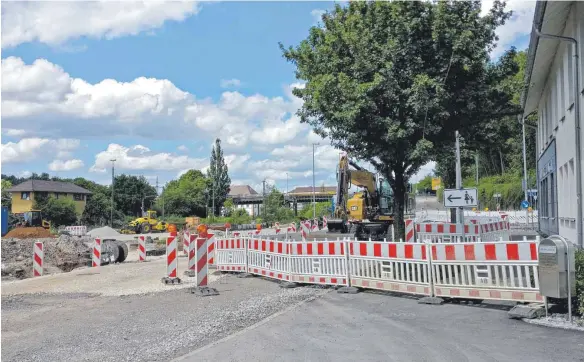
{"x": 152, "y": 327}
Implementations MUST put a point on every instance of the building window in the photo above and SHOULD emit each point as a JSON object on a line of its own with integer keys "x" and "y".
{"x": 78, "y": 197}
{"x": 25, "y": 195}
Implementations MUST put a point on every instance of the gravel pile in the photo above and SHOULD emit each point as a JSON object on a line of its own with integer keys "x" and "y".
{"x": 61, "y": 255}
{"x": 103, "y": 232}
{"x": 559, "y": 321}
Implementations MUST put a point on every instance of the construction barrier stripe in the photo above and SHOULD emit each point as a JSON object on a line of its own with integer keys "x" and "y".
{"x": 211, "y": 249}
{"x": 171, "y": 255}
{"x": 38, "y": 258}
{"x": 521, "y": 251}
{"x": 96, "y": 257}
{"x": 446, "y": 228}
{"x": 269, "y": 246}
{"x": 410, "y": 237}
{"x": 192, "y": 264}
{"x": 141, "y": 248}
{"x": 387, "y": 250}
{"x": 202, "y": 262}
{"x": 330, "y": 248}
{"x": 186, "y": 239}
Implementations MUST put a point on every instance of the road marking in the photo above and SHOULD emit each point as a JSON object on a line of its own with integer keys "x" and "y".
{"x": 246, "y": 329}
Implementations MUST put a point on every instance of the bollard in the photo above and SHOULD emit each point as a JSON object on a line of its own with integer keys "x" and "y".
{"x": 192, "y": 263}
{"x": 141, "y": 248}
{"x": 38, "y": 257}
{"x": 202, "y": 270}
{"x": 171, "y": 260}
{"x": 96, "y": 257}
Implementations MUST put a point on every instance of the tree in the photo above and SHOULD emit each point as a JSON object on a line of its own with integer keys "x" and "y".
{"x": 186, "y": 196}
{"x": 390, "y": 82}
{"x": 218, "y": 174}
{"x": 60, "y": 212}
{"x": 129, "y": 191}
{"x": 6, "y": 198}
{"x": 229, "y": 206}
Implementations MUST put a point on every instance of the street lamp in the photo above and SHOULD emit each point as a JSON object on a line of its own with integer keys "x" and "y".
{"x": 313, "y": 183}
{"x": 286, "y": 183}
{"x": 113, "y": 160}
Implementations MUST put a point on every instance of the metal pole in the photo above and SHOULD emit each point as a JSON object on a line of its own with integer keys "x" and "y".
{"x": 313, "y": 184}
{"x": 460, "y": 213}
{"x": 477, "y": 168}
{"x": 113, "y": 160}
{"x": 286, "y": 183}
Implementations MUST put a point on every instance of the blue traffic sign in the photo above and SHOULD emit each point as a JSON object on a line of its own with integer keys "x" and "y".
{"x": 524, "y": 204}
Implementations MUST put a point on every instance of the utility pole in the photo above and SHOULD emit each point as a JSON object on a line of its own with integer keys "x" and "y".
{"x": 113, "y": 160}
{"x": 313, "y": 184}
{"x": 460, "y": 213}
{"x": 263, "y": 213}
{"x": 525, "y": 170}
{"x": 477, "y": 168}
{"x": 286, "y": 183}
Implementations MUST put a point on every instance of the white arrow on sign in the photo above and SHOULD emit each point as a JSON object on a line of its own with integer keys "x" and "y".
{"x": 460, "y": 198}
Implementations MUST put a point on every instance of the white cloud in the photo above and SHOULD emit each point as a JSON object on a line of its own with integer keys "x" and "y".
{"x": 230, "y": 83}
{"x": 13, "y": 132}
{"x": 518, "y": 25}
{"x": 44, "y": 93}
{"x": 317, "y": 15}
{"x": 236, "y": 162}
{"x": 68, "y": 165}
{"x": 55, "y": 23}
{"x": 427, "y": 169}
{"x": 24, "y": 174}
{"x": 183, "y": 148}
{"x": 139, "y": 157}
{"x": 28, "y": 149}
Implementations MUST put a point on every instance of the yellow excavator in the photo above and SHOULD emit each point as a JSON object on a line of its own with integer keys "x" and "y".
{"x": 32, "y": 218}
{"x": 145, "y": 224}
{"x": 369, "y": 211}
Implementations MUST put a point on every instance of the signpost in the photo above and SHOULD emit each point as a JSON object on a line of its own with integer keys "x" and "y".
{"x": 460, "y": 198}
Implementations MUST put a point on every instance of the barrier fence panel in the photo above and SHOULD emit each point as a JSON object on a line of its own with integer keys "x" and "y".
{"x": 230, "y": 254}
{"x": 398, "y": 267}
{"x": 268, "y": 258}
{"x": 448, "y": 233}
{"x": 319, "y": 262}
{"x": 499, "y": 270}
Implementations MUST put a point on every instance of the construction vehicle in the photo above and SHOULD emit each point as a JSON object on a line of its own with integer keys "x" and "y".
{"x": 145, "y": 224}
{"x": 32, "y": 218}
{"x": 369, "y": 211}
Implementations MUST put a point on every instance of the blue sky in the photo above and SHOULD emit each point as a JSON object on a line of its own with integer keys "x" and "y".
{"x": 152, "y": 84}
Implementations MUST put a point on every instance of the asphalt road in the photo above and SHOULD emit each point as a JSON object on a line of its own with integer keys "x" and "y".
{"x": 377, "y": 327}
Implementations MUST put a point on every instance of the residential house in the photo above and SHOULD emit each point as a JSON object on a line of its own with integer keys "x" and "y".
{"x": 23, "y": 194}
{"x": 553, "y": 90}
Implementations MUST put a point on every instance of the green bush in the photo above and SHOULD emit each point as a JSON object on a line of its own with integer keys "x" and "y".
{"x": 60, "y": 212}
{"x": 580, "y": 281}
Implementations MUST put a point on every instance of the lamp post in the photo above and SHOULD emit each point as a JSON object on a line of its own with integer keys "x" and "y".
{"x": 113, "y": 160}
{"x": 313, "y": 183}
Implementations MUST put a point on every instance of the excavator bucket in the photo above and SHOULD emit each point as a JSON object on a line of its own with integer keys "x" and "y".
{"x": 337, "y": 225}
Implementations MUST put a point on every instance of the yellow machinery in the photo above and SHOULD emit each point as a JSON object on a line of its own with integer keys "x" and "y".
{"x": 32, "y": 218}
{"x": 369, "y": 211}
{"x": 145, "y": 224}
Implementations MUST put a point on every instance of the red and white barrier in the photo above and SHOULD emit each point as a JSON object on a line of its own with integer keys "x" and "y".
{"x": 304, "y": 229}
{"x": 292, "y": 227}
{"x": 141, "y": 248}
{"x": 499, "y": 270}
{"x": 76, "y": 230}
{"x": 410, "y": 235}
{"x": 480, "y": 270}
{"x": 315, "y": 225}
{"x": 96, "y": 255}
{"x": 186, "y": 238}
{"x": 38, "y": 257}
{"x": 171, "y": 256}
{"x": 192, "y": 263}
{"x": 202, "y": 268}
{"x": 324, "y": 223}
{"x": 277, "y": 227}
{"x": 211, "y": 248}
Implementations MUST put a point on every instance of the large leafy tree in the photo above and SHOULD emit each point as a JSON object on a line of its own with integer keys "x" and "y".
{"x": 219, "y": 176}
{"x": 60, "y": 211}
{"x": 129, "y": 191}
{"x": 390, "y": 82}
{"x": 6, "y": 198}
{"x": 186, "y": 196}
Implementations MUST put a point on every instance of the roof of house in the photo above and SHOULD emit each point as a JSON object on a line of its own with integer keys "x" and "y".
{"x": 49, "y": 186}
{"x": 317, "y": 189}
{"x": 239, "y": 190}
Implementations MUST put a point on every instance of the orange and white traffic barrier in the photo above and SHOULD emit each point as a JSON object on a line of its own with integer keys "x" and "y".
{"x": 390, "y": 266}
{"x": 38, "y": 257}
{"x": 192, "y": 262}
{"x": 171, "y": 256}
{"x": 186, "y": 239}
{"x": 268, "y": 258}
{"x": 320, "y": 262}
{"x": 202, "y": 267}
{"x": 410, "y": 235}
{"x": 211, "y": 248}
{"x": 304, "y": 229}
{"x": 498, "y": 270}
{"x": 141, "y": 248}
{"x": 96, "y": 255}
{"x": 231, "y": 254}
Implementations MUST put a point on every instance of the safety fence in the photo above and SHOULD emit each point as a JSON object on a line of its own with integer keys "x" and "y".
{"x": 437, "y": 232}
{"x": 501, "y": 270}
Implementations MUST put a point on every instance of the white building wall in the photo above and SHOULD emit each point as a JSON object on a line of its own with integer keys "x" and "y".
{"x": 557, "y": 121}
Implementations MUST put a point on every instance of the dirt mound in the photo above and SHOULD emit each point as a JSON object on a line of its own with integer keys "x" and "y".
{"x": 61, "y": 255}
{"x": 28, "y": 233}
